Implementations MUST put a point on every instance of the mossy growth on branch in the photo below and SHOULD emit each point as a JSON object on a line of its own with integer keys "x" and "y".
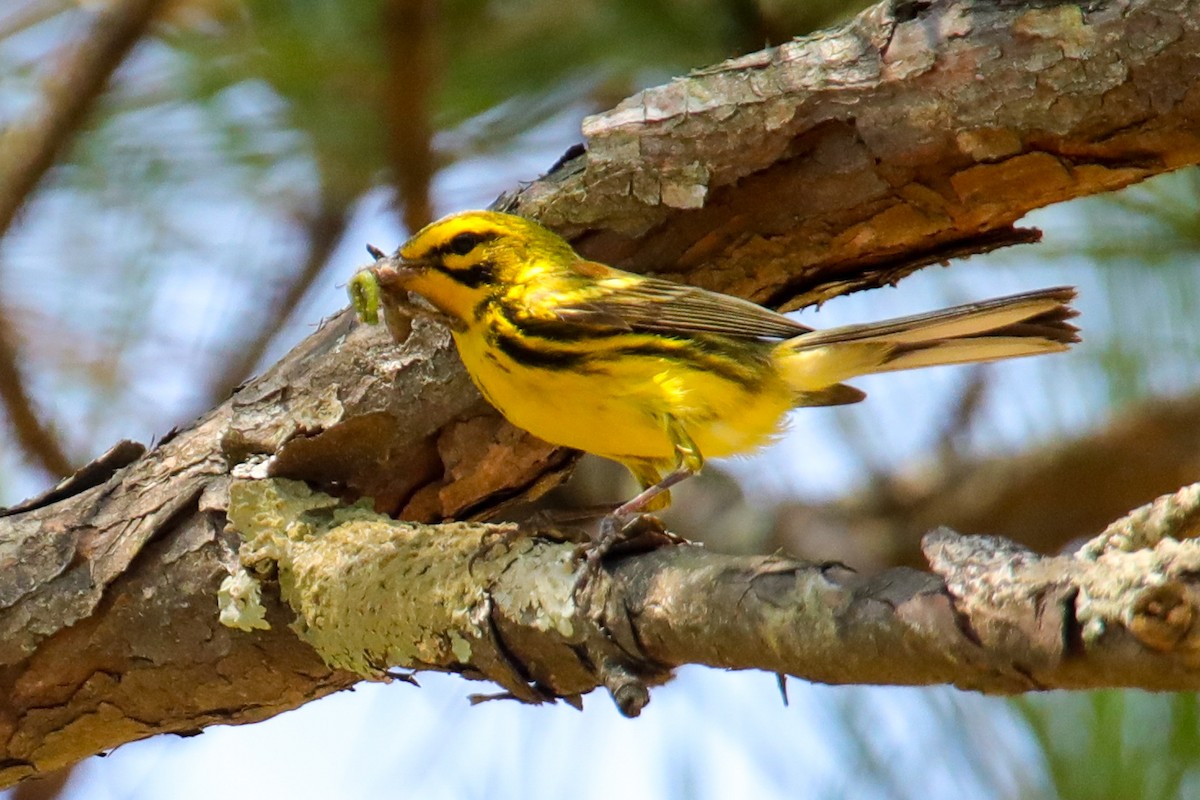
{"x": 371, "y": 592}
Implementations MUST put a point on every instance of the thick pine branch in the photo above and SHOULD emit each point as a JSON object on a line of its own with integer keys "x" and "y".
{"x": 838, "y": 162}
{"x": 991, "y": 616}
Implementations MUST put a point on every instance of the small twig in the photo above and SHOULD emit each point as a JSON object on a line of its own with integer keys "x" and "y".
{"x": 34, "y": 434}
{"x": 781, "y": 680}
{"x": 404, "y": 677}
{"x": 412, "y": 66}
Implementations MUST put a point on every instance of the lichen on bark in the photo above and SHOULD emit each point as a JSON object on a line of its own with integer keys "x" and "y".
{"x": 370, "y": 592}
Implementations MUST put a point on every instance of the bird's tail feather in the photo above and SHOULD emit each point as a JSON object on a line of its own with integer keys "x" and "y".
{"x": 1006, "y": 327}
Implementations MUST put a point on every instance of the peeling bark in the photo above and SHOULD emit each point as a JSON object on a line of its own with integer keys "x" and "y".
{"x": 845, "y": 159}
{"x": 833, "y": 163}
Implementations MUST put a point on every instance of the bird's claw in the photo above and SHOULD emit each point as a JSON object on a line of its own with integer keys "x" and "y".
{"x": 614, "y": 529}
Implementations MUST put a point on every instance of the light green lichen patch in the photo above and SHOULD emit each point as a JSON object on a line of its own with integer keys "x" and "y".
{"x": 370, "y": 592}
{"x": 541, "y": 597}
{"x": 240, "y": 602}
{"x": 1109, "y": 597}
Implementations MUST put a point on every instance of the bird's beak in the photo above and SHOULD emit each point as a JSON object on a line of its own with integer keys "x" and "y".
{"x": 391, "y": 271}
{"x": 394, "y": 272}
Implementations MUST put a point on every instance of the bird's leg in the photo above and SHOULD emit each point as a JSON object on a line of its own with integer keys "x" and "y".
{"x": 643, "y": 501}
{"x": 613, "y": 528}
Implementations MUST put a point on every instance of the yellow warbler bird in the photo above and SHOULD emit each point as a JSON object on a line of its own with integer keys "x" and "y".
{"x": 654, "y": 374}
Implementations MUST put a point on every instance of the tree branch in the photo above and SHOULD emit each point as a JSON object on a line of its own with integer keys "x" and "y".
{"x": 995, "y": 617}
{"x": 816, "y": 177}
{"x": 486, "y": 601}
{"x": 841, "y": 160}
{"x": 412, "y": 67}
{"x": 33, "y": 434}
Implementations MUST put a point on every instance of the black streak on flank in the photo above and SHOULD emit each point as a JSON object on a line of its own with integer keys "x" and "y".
{"x": 543, "y": 358}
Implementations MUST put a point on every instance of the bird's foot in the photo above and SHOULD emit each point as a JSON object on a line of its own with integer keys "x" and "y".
{"x": 612, "y": 531}
{"x": 624, "y": 533}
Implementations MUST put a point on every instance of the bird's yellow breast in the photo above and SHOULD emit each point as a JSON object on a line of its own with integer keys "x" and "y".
{"x": 617, "y": 408}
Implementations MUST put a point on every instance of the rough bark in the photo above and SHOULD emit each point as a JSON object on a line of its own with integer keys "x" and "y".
{"x": 837, "y": 162}
{"x": 489, "y": 601}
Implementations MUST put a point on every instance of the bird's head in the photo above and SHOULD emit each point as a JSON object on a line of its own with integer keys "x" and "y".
{"x": 463, "y": 260}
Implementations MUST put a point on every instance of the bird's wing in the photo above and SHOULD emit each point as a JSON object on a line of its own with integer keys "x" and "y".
{"x": 633, "y": 302}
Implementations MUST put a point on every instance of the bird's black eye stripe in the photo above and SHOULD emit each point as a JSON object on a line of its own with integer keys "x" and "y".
{"x": 473, "y": 276}
{"x": 465, "y": 242}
